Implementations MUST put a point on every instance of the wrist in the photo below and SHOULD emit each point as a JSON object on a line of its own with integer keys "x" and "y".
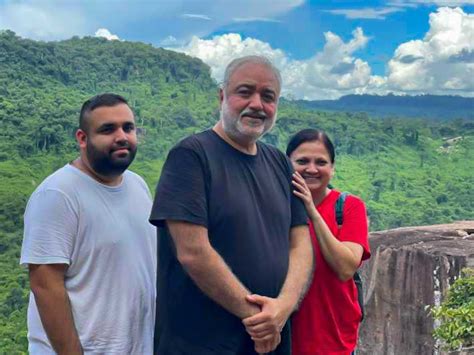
{"x": 73, "y": 347}
{"x": 250, "y": 310}
{"x": 288, "y": 304}
{"x": 315, "y": 216}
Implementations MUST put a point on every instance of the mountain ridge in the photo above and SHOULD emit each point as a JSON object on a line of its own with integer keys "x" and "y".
{"x": 424, "y": 106}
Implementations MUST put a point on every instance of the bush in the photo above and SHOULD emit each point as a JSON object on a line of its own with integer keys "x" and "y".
{"x": 456, "y": 314}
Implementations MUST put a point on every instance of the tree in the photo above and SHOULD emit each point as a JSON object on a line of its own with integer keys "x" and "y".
{"x": 456, "y": 314}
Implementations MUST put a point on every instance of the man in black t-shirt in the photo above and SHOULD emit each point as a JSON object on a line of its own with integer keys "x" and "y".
{"x": 234, "y": 251}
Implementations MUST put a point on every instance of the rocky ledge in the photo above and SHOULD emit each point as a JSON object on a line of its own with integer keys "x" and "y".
{"x": 410, "y": 269}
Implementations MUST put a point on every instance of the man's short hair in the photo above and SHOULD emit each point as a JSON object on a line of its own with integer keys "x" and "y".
{"x": 255, "y": 59}
{"x": 97, "y": 101}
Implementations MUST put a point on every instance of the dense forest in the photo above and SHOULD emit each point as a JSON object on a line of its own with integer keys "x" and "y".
{"x": 409, "y": 171}
{"x": 421, "y": 106}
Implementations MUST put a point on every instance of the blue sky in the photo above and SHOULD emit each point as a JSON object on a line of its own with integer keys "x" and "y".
{"x": 324, "y": 49}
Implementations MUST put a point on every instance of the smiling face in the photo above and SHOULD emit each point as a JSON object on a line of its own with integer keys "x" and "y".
{"x": 312, "y": 160}
{"x": 110, "y": 143}
{"x": 249, "y": 102}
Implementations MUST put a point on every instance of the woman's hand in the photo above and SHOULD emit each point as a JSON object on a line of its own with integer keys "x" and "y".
{"x": 302, "y": 191}
{"x": 343, "y": 257}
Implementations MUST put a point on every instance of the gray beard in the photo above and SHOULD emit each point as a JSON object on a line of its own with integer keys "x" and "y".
{"x": 231, "y": 127}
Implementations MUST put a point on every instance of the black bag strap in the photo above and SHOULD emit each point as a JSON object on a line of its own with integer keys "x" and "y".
{"x": 340, "y": 219}
{"x": 360, "y": 293}
{"x": 340, "y": 208}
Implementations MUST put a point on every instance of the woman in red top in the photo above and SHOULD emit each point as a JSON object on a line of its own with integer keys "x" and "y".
{"x": 328, "y": 319}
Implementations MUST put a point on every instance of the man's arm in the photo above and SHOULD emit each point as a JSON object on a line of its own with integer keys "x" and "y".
{"x": 300, "y": 268}
{"x": 47, "y": 285}
{"x": 276, "y": 311}
{"x": 212, "y": 275}
{"x": 208, "y": 270}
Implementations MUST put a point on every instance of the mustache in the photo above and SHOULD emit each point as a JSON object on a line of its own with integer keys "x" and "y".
{"x": 120, "y": 145}
{"x": 254, "y": 113}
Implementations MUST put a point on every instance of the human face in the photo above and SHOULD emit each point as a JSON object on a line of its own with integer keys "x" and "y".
{"x": 249, "y": 103}
{"x": 313, "y": 162}
{"x": 110, "y": 143}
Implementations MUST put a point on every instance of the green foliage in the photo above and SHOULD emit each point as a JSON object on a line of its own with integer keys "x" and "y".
{"x": 456, "y": 314}
{"x": 13, "y": 296}
{"x": 426, "y": 106}
{"x": 409, "y": 172}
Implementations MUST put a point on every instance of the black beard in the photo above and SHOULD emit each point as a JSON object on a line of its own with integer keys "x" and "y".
{"x": 106, "y": 165}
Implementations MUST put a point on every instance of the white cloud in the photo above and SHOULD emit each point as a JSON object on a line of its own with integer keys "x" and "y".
{"x": 105, "y": 33}
{"x": 171, "y": 41}
{"x": 57, "y": 19}
{"x": 441, "y": 62}
{"x": 366, "y": 13}
{"x": 332, "y": 72}
{"x": 326, "y": 75}
{"x": 196, "y": 17}
{"x": 220, "y": 50}
{"x": 42, "y": 21}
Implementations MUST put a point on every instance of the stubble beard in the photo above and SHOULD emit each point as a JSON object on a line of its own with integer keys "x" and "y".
{"x": 236, "y": 130}
{"x": 105, "y": 164}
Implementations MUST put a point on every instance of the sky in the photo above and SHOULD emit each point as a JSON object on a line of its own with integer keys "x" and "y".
{"x": 324, "y": 49}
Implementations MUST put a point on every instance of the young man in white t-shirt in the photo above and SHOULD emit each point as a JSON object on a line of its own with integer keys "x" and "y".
{"x": 90, "y": 250}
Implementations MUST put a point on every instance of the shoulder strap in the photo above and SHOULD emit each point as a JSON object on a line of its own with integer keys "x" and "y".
{"x": 357, "y": 279}
{"x": 340, "y": 207}
{"x": 360, "y": 294}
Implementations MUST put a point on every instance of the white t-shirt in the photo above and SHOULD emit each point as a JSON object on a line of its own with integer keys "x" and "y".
{"x": 103, "y": 234}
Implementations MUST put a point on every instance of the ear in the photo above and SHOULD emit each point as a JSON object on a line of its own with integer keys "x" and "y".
{"x": 81, "y": 138}
{"x": 333, "y": 171}
{"x": 221, "y": 96}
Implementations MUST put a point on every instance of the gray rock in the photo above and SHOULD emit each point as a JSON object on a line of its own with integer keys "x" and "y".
{"x": 411, "y": 268}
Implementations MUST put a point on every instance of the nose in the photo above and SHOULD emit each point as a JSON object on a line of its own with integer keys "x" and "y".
{"x": 312, "y": 168}
{"x": 256, "y": 102}
{"x": 121, "y": 135}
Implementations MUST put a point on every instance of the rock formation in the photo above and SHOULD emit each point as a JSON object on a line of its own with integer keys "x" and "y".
{"x": 410, "y": 268}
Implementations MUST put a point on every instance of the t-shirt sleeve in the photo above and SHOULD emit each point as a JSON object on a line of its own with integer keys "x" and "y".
{"x": 298, "y": 211}
{"x": 51, "y": 224}
{"x": 355, "y": 227}
{"x": 144, "y": 185}
{"x": 181, "y": 194}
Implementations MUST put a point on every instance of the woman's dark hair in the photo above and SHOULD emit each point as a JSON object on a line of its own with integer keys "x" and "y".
{"x": 311, "y": 135}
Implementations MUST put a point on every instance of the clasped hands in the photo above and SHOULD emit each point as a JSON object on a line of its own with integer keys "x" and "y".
{"x": 264, "y": 327}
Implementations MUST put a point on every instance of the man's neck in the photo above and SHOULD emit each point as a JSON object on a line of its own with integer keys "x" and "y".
{"x": 249, "y": 148}
{"x": 84, "y": 166}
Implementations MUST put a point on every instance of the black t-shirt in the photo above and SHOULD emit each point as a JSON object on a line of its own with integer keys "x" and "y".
{"x": 247, "y": 205}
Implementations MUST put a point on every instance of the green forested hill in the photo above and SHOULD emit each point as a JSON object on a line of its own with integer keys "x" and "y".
{"x": 410, "y": 172}
{"x": 426, "y": 106}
